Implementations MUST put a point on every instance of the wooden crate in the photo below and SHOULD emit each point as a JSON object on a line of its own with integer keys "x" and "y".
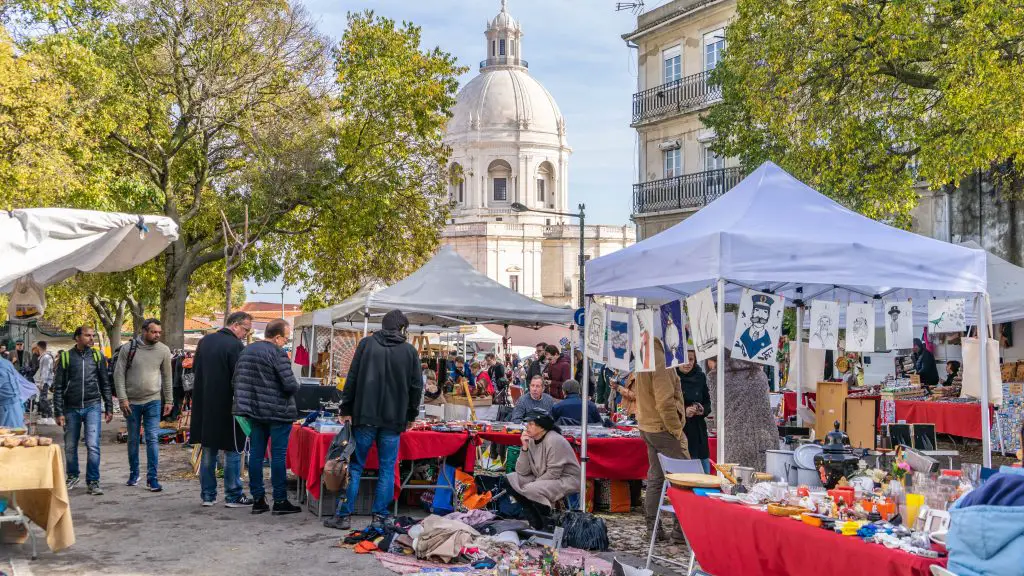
{"x": 861, "y": 422}
{"x": 830, "y": 406}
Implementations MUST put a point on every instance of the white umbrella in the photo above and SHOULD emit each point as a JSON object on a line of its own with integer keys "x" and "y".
{"x": 53, "y": 244}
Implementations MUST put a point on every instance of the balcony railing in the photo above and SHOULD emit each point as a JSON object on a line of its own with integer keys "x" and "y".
{"x": 687, "y": 93}
{"x": 504, "y": 61}
{"x": 689, "y": 191}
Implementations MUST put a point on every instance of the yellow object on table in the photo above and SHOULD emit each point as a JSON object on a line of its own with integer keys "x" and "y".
{"x": 36, "y": 476}
{"x": 914, "y": 503}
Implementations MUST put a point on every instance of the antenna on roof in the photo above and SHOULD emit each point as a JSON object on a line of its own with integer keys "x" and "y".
{"x": 634, "y": 7}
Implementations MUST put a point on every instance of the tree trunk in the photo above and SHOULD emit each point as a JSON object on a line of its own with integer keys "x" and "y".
{"x": 138, "y": 312}
{"x": 114, "y": 330}
{"x": 173, "y": 295}
{"x": 227, "y": 293}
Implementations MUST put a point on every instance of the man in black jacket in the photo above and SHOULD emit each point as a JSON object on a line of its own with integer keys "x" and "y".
{"x": 213, "y": 427}
{"x": 81, "y": 395}
{"x": 265, "y": 388}
{"x": 381, "y": 397}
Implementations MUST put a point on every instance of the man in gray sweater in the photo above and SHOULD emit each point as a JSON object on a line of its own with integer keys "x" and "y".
{"x": 537, "y": 398}
{"x": 142, "y": 378}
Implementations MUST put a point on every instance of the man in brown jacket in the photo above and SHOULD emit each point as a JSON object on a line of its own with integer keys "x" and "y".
{"x": 661, "y": 416}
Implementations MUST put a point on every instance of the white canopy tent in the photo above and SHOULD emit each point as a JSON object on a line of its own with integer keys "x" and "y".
{"x": 449, "y": 291}
{"x": 53, "y": 244}
{"x": 1005, "y": 287}
{"x": 775, "y": 234}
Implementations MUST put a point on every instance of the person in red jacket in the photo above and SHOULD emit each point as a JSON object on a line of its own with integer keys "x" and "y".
{"x": 558, "y": 371}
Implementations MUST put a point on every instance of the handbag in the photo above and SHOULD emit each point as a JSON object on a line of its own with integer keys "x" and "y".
{"x": 971, "y": 348}
{"x": 584, "y": 531}
{"x": 336, "y": 472}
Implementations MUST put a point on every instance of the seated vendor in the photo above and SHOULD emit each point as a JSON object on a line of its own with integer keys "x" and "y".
{"x": 569, "y": 411}
{"x": 432, "y": 393}
{"x": 460, "y": 371}
{"x": 546, "y": 471}
{"x": 952, "y": 370}
{"x": 537, "y": 398}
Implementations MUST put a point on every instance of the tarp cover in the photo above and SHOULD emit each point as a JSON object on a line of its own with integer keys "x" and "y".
{"x": 774, "y": 233}
{"x": 448, "y": 291}
{"x": 1005, "y": 287}
{"x": 52, "y": 244}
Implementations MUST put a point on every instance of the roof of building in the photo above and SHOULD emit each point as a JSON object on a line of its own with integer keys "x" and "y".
{"x": 664, "y": 13}
{"x": 251, "y": 307}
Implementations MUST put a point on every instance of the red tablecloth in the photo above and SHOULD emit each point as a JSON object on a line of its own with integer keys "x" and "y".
{"x": 949, "y": 418}
{"x": 307, "y": 452}
{"x": 734, "y": 540}
{"x": 610, "y": 458}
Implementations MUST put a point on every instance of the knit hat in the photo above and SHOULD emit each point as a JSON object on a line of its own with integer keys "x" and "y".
{"x": 394, "y": 320}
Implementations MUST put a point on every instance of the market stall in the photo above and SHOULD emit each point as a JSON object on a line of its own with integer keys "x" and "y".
{"x": 32, "y": 484}
{"x": 773, "y": 235}
{"x": 760, "y": 543}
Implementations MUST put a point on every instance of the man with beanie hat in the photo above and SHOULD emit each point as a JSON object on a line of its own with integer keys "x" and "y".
{"x": 381, "y": 397}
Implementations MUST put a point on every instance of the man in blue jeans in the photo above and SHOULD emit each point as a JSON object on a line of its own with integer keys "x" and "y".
{"x": 265, "y": 388}
{"x": 81, "y": 395}
{"x": 381, "y": 397}
{"x": 142, "y": 377}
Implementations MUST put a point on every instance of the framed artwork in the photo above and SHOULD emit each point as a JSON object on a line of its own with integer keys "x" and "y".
{"x": 673, "y": 330}
{"x": 824, "y": 332}
{"x": 703, "y": 317}
{"x": 947, "y": 315}
{"x": 899, "y": 324}
{"x": 643, "y": 341}
{"x": 594, "y": 329}
{"x": 619, "y": 341}
{"x": 758, "y": 326}
{"x": 860, "y": 327}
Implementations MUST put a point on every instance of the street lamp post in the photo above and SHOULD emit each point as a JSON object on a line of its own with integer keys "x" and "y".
{"x": 517, "y": 207}
{"x": 281, "y": 293}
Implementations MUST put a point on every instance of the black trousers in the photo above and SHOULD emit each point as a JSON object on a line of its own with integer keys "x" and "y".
{"x": 535, "y": 513}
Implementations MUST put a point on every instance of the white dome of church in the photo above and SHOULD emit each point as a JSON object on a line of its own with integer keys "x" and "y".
{"x": 505, "y": 98}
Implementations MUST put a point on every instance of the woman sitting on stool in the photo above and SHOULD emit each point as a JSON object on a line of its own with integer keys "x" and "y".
{"x": 546, "y": 471}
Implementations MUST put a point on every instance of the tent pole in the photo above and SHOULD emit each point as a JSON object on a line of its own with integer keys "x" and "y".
{"x": 366, "y": 320}
{"x": 986, "y": 424}
{"x": 312, "y": 351}
{"x": 585, "y": 383}
{"x": 330, "y": 369}
{"x": 797, "y": 361}
{"x": 572, "y": 353}
{"x": 720, "y": 375}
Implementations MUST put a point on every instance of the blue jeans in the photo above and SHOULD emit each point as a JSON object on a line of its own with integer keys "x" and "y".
{"x": 706, "y": 463}
{"x": 387, "y": 452}
{"x": 144, "y": 415}
{"x": 90, "y": 416}
{"x": 277, "y": 434}
{"x": 232, "y": 475}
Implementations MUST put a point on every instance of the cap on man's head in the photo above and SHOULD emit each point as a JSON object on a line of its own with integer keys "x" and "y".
{"x": 394, "y": 320}
{"x": 763, "y": 301}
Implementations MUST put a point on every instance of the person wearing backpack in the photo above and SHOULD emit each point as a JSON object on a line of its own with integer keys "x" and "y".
{"x": 142, "y": 378}
{"x": 81, "y": 395}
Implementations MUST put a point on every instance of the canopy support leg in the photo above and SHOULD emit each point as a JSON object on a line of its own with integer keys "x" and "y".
{"x": 585, "y": 384}
{"x": 720, "y": 375}
{"x": 797, "y": 363}
{"x": 984, "y": 321}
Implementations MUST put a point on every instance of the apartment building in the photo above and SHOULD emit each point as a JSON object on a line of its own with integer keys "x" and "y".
{"x": 677, "y": 45}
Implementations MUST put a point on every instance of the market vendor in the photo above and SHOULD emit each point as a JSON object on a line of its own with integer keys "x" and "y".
{"x": 460, "y": 371}
{"x": 537, "y": 398}
{"x": 952, "y": 371}
{"x": 924, "y": 364}
{"x": 546, "y": 471}
{"x": 569, "y": 411}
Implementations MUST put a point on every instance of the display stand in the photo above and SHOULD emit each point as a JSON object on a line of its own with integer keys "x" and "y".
{"x": 14, "y": 515}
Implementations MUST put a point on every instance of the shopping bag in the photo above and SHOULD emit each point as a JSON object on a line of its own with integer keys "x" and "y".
{"x": 443, "y": 497}
{"x": 467, "y": 494}
{"x": 971, "y": 348}
{"x": 244, "y": 424}
{"x": 584, "y": 531}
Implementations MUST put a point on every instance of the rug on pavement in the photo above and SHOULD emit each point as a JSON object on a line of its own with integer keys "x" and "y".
{"x": 567, "y": 557}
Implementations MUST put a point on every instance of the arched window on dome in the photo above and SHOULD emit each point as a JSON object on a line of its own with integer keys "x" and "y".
{"x": 456, "y": 183}
{"x": 545, "y": 185}
{"x": 499, "y": 178}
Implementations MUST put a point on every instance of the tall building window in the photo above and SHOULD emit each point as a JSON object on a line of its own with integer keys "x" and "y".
{"x": 513, "y": 282}
{"x": 501, "y": 47}
{"x": 672, "y": 64}
{"x": 493, "y": 50}
{"x": 540, "y": 189}
{"x": 673, "y": 160}
{"x": 712, "y": 161}
{"x": 500, "y": 189}
{"x": 714, "y": 47}
{"x": 462, "y": 191}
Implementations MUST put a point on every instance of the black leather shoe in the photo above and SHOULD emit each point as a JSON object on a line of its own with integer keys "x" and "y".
{"x": 260, "y": 505}
{"x": 285, "y": 507}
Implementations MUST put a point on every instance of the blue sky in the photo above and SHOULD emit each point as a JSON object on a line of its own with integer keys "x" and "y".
{"x": 573, "y": 47}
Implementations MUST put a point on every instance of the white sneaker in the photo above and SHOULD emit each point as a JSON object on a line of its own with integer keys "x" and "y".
{"x": 208, "y": 503}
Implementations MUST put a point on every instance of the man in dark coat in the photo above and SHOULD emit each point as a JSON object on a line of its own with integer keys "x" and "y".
{"x": 265, "y": 388}
{"x": 213, "y": 426}
{"x": 381, "y": 397}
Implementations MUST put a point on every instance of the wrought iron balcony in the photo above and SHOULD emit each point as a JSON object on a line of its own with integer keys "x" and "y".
{"x": 504, "y": 61}
{"x": 687, "y": 93}
{"x": 689, "y": 191}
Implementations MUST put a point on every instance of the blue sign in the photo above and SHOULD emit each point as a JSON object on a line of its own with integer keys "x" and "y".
{"x": 579, "y": 316}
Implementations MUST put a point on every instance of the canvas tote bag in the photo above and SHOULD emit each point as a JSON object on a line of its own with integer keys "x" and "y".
{"x": 971, "y": 385}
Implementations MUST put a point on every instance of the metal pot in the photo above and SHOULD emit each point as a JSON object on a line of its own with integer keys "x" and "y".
{"x": 744, "y": 475}
{"x": 778, "y": 463}
{"x": 809, "y": 478}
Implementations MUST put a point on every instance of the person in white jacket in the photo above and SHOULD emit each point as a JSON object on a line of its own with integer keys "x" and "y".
{"x": 44, "y": 381}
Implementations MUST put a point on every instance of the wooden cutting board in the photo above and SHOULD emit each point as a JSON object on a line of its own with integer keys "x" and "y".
{"x": 690, "y": 480}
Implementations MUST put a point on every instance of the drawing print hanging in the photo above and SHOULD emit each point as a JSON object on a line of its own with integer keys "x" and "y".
{"x": 899, "y": 324}
{"x": 703, "y": 318}
{"x": 824, "y": 333}
{"x": 595, "y": 329}
{"x": 758, "y": 327}
{"x": 643, "y": 341}
{"x": 619, "y": 320}
{"x": 947, "y": 315}
{"x": 860, "y": 327}
{"x": 673, "y": 330}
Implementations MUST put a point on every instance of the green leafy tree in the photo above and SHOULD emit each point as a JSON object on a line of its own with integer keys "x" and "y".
{"x": 864, "y": 98}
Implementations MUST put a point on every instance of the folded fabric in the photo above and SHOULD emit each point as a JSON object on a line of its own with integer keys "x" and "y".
{"x": 365, "y": 547}
{"x": 474, "y": 518}
{"x": 443, "y": 538}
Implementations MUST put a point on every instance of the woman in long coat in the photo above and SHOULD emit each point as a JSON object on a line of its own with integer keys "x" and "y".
{"x": 750, "y": 427}
{"x": 547, "y": 469}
